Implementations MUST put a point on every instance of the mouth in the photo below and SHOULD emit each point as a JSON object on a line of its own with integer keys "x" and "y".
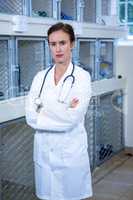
{"x": 59, "y": 55}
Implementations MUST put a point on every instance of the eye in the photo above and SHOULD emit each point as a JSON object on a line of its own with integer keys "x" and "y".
{"x": 52, "y": 44}
{"x": 63, "y": 42}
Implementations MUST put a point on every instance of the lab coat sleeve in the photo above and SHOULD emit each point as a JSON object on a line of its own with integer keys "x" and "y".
{"x": 30, "y": 110}
{"x": 60, "y": 118}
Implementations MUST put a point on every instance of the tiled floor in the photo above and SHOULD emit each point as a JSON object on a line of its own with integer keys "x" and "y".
{"x": 111, "y": 181}
{"x": 114, "y": 179}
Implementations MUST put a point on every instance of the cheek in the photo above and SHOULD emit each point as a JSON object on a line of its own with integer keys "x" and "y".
{"x": 52, "y": 52}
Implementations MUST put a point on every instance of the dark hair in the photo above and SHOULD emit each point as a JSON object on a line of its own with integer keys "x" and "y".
{"x": 67, "y": 28}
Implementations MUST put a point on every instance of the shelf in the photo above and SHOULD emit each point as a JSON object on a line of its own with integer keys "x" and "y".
{"x": 39, "y": 27}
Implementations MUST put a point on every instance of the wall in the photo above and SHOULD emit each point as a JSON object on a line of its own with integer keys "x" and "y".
{"x": 124, "y": 61}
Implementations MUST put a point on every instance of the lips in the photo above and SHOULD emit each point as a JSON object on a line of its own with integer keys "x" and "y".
{"x": 59, "y": 55}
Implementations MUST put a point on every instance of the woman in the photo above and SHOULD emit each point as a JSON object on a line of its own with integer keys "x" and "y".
{"x": 56, "y": 106}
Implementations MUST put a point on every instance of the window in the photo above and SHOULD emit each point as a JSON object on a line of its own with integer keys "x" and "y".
{"x": 126, "y": 14}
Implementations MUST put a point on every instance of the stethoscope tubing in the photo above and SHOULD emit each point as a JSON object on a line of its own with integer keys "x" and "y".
{"x": 71, "y": 75}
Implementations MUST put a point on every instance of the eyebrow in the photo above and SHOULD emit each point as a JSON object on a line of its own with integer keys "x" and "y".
{"x": 57, "y": 41}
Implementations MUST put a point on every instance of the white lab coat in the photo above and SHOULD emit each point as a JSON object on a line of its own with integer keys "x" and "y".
{"x": 62, "y": 169}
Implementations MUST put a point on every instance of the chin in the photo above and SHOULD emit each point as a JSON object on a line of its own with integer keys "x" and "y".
{"x": 59, "y": 62}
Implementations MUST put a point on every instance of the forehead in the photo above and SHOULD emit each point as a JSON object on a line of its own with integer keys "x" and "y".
{"x": 58, "y": 36}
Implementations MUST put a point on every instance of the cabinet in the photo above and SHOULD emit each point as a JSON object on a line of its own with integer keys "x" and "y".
{"x": 96, "y": 56}
{"x": 23, "y": 53}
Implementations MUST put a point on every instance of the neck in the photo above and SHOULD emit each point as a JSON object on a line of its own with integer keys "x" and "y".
{"x": 60, "y": 69}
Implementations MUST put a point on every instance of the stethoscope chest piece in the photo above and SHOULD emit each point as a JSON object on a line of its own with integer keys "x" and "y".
{"x": 38, "y": 104}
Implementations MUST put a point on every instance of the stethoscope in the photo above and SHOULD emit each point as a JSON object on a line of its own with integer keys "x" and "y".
{"x": 64, "y": 91}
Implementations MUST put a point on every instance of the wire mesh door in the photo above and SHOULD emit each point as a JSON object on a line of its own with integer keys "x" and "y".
{"x": 108, "y": 126}
{"x": 89, "y": 126}
{"x": 17, "y": 176}
{"x": 42, "y": 8}
{"x": 4, "y": 69}
{"x": 16, "y": 7}
{"x": 87, "y": 55}
{"x": 89, "y": 11}
{"x": 31, "y": 59}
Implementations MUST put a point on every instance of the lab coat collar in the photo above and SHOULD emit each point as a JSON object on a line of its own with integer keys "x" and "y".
{"x": 68, "y": 72}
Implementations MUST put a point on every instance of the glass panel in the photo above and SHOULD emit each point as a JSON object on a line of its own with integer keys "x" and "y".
{"x": 87, "y": 56}
{"x": 122, "y": 13}
{"x": 106, "y": 7}
{"x": 90, "y": 11}
{"x": 122, "y": 0}
{"x": 130, "y": 12}
{"x": 31, "y": 59}
{"x": 106, "y": 60}
{"x": 69, "y": 10}
{"x": 42, "y": 8}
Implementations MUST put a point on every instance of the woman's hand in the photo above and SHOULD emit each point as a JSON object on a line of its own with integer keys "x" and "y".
{"x": 74, "y": 103}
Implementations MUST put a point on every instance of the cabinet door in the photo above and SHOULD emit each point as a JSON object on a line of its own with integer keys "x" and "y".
{"x": 31, "y": 59}
{"x": 87, "y": 55}
{"x": 106, "y": 61}
{"x": 89, "y": 11}
{"x": 68, "y": 10}
{"x": 106, "y": 7}
{"x": 108, "y": 125}
{"x": 42, "y": 8}
{"x": 16, "y": 7}
{"x": 90, "y": 128}
{"x": 4, "y": 69}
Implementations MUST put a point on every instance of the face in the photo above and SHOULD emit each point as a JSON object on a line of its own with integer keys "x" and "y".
{"x": 60, "y": 46}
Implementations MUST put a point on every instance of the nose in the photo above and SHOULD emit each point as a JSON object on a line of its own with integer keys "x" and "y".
{"x": 58, "y": 48}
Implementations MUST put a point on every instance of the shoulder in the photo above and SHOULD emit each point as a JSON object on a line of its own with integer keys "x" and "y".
{"x": 40, "y": 75}
{"x": 80, "y": 73}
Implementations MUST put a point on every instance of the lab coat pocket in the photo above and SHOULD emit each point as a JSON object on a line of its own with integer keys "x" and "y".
{"x": 75, "y": 150}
